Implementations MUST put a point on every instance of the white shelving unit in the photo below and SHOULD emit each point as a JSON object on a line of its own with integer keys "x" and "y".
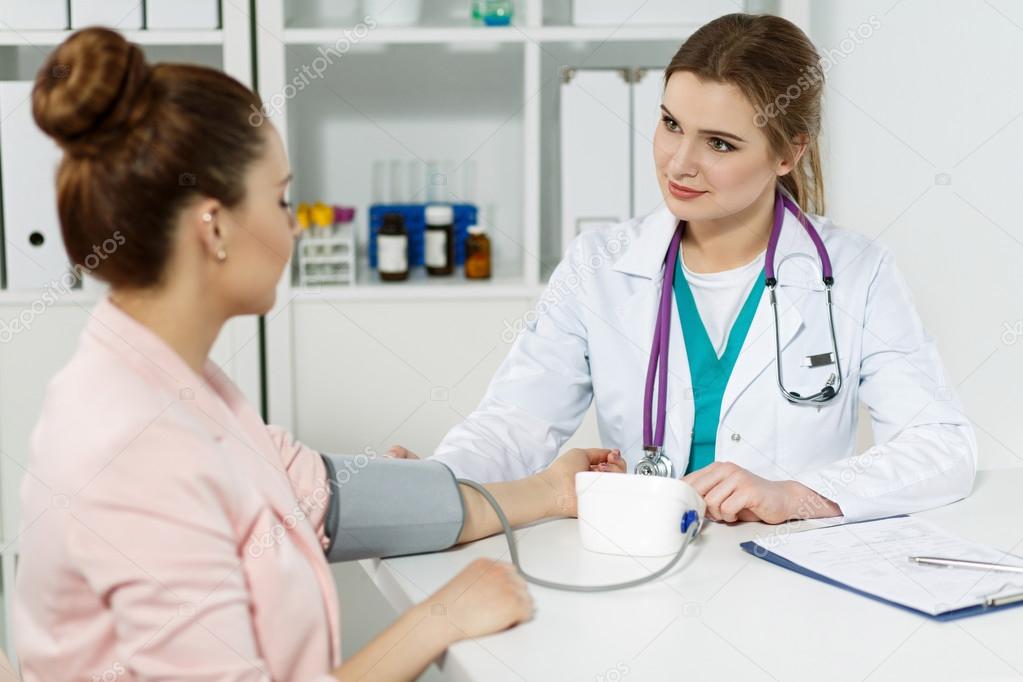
{"x": 28, "y": 361}
{"x": 48, "y": 39}
{"x": 441, "y": 89}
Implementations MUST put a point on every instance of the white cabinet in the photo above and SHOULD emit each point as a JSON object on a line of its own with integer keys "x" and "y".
{"x": 647, "y": 87}
{"x": 369, "y": 374}
{"x": 607, "y": 122}
{"x": 596, "y": 165}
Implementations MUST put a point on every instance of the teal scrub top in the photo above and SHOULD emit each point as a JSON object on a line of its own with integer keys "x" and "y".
{"x": 708, "y": 372}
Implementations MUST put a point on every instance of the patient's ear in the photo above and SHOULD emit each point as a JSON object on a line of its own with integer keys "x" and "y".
{"x": 204, "y": 217}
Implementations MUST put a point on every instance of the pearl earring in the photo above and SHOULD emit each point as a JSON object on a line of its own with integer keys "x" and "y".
{"x": 221, "y": 254}
{"x": 207, "y": 217}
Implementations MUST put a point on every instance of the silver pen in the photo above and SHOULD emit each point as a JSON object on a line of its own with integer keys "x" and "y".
{"x": 963, "y": 563}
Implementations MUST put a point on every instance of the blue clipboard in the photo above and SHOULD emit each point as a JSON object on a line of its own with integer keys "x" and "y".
{"x": 965, "y": 612}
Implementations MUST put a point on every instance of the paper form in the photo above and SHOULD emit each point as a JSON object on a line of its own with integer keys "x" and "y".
{"x": 873, "y": 557}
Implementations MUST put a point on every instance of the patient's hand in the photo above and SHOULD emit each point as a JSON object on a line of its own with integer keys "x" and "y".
{"x": 560, "y": 476}
{"x": 615, "y": 464}
{"x": 398, "y": 452}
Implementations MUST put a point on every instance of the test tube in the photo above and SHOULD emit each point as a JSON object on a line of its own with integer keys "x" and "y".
{"x": 378, "y": 184}
{"x": 399, "y": 193}
{"x": 468, "y": 182}
{"x": 415, "y": 181}
{"x": 433, "y": 189}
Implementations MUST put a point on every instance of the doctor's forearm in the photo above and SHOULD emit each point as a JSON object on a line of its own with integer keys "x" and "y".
{"x": 809, "y": 504}
{"x": 523, "y": 501}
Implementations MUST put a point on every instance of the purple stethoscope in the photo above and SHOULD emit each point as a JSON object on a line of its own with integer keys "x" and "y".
{"x": 655, "y": 462}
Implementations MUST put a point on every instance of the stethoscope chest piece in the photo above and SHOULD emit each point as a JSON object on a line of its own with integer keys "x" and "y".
{"x": 654, "y": 463}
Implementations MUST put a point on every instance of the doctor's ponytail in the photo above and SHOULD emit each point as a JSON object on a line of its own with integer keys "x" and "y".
{"x": 779, "y": 70}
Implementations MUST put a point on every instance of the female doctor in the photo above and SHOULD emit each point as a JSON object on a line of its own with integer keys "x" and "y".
{"x": 762, "y": 397}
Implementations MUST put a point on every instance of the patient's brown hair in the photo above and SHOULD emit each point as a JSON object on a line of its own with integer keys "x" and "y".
{"x": 140, "y": 143}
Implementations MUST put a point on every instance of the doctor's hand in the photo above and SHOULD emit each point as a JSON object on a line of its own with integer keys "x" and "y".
{"x": 560, "y": 475}
{"x": 398, "y": 452}
{"x": 615, "y": 464}
{"x": 736, "y": 494}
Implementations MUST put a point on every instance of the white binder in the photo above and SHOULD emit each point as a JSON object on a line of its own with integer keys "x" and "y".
{"x": 34, "y": 15}
{"x": 123, "y": 15}
{"x": 33, "y": 249}
{"x": 179, "y": 14}
{"x": 596, "y": 163}
{"x": 650, "y": 12}
{"x": 647, "y": 88}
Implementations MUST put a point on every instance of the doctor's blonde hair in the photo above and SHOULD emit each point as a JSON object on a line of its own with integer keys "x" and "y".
{"x": 776, "y": 66}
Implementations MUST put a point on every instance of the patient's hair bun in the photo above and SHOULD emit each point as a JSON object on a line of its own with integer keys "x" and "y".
{"x": 93, "y": 88}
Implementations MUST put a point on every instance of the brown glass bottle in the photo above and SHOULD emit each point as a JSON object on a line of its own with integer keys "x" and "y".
{"x": 392, "y": 249}
{"x": 477, "y": 254}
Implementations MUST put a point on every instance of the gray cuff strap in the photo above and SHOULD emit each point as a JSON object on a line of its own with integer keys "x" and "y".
{"x": 389, "y": 507}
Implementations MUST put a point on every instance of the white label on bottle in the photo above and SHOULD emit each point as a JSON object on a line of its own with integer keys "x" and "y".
{"x": 392, "y": 253}
{"x": 436, "y": 248}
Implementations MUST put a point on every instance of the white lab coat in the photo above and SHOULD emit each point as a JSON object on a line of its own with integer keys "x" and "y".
{"x": 589, "y": 340}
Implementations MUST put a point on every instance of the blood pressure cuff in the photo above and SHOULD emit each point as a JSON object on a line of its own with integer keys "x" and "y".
{"x": 389, "y": 507}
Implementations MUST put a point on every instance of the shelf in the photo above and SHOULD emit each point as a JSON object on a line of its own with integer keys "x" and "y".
{"x": 566, "y": 34}
{"x": 419, "y": 286}
{"x": 410, "y": 35}
{"x": 500, "y": 34}
{"x": 35, "y": 38}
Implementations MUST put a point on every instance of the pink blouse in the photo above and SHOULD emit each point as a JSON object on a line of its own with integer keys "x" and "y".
{"x": 168, "y": 533}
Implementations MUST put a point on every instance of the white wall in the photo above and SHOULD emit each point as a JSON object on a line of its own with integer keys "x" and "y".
{"x": 924, "y": 142}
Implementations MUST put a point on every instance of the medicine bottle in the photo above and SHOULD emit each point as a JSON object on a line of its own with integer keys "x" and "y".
{"x": 392, "y": 248}
{"x": 477, "y": 254}
{"x": 440, "y": 239}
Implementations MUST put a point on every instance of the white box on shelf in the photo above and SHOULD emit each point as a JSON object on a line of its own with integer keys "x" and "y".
{"x": 649, "y": 13}
{"x": 182, "y": 14}
{"x": 595, "y": 160}
{"x": 28, "y": 163}
{"x": 393, "y": 12}
{"x": 34, "y": 15}
{"x": 124, "y": 15}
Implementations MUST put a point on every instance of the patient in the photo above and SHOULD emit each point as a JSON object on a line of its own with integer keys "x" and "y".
{"x": 168, "y": 532}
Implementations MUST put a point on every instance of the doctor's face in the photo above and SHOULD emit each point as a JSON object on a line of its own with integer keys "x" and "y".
{"x": 706, "y": 141}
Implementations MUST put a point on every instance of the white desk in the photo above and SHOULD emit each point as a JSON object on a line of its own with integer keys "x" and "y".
{"x": 723, "y": 614}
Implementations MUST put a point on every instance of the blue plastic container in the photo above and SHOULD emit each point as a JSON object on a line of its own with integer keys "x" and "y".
{"x": 415, "y": 223}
